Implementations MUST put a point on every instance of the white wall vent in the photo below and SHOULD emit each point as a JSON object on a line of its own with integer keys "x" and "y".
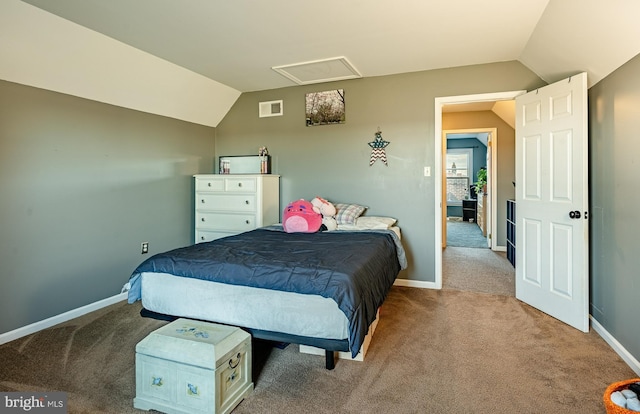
{"x": 270, "y": 108}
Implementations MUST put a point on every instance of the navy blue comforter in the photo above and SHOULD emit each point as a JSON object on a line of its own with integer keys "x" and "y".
{"x": 356, "y": 269}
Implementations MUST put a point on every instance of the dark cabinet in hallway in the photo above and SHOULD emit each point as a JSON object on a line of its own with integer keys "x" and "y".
{"x": 469, "y": 209}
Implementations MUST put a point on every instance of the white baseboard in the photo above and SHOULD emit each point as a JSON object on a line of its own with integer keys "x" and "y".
{"x": 63, "y": 317}
{"x": 499, "y": 248}
{"x": 617, "y": 346}
{"x": 416, "y": 284}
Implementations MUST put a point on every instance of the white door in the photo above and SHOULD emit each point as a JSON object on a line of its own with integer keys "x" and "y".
{"x": 552, "y": 269}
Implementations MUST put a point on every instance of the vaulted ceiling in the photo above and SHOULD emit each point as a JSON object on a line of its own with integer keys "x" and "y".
{"x": 237, "y": 42}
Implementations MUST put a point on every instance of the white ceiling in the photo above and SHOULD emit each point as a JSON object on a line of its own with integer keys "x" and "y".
{"x": 237, "y": 42}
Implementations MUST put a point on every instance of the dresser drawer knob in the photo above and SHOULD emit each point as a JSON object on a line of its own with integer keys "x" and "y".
{"x": 246, "y": 202}
{"x": 239, "y": 184}
{"x": 209, "y": 184}
{"x": 247, "y": 221}
{"x": 202, "y": 219}
{"x": 201, "y": 237}
{"x": 202, "y": 201}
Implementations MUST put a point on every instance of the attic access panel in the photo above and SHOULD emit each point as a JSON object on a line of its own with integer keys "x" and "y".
{"x": 318, "y": 71}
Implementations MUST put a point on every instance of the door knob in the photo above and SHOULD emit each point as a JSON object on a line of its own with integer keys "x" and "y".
{"x": 574, "y": 214}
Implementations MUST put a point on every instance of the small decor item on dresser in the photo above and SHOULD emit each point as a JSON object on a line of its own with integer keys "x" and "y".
{"x": 193, "y": 367}
{"x": 378, "y": 149}
{"x": 225, "y": 166}
{"x": 245, "y": 164}
{"x": 263, "y": 153}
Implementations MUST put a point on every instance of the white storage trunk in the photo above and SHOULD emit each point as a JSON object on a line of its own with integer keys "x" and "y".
{"x": 193, "y": 367}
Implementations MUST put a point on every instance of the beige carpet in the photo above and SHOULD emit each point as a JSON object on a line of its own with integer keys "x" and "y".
{"x": 477, "y": 270}
{"x": 447, "y": 351}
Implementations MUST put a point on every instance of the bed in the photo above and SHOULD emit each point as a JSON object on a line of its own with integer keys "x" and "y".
{"x": 318, "y": 289}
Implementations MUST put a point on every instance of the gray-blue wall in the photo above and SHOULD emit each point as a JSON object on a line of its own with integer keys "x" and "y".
{"x": 614, "y": 159}
{"x": 479, "y": 161}
{"x": 333, "y": 160}
{"x": 82, "y": 184}
{"x": 479, "y": 152}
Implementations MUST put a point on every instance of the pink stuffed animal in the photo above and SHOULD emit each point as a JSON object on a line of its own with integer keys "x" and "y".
{"x": 300, "y": 217}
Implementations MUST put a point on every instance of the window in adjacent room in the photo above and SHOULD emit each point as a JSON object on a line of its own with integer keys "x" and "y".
{"x": 459, "y": 168}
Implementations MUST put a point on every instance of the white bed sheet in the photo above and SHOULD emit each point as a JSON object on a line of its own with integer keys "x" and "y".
{"x": 270, "y": 310}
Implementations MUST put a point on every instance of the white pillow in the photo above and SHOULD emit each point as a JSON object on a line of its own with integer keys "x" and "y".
{"x": 375, "y": 222}
{"x": 369, "y": 223}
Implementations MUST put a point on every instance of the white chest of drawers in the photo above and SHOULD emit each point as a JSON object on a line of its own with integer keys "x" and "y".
{"x": 228, "y": 204}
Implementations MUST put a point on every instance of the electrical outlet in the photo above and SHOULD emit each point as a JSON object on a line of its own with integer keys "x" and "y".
{"x": 145, "y": 247}
{"x": 427, "y": 171}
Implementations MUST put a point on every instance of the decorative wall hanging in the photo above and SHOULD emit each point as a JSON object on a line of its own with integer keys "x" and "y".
{"x": 325, "y": 108}
{"x": 378, "y": 149}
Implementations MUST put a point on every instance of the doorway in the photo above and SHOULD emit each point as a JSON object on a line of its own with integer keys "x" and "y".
{"x": 470, "y": 261}
{"x": 440, "y": 151}
{"x": 467, "y": 202}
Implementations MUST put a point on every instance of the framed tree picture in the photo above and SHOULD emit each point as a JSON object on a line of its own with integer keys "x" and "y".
{"x": 325, "y": 108}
